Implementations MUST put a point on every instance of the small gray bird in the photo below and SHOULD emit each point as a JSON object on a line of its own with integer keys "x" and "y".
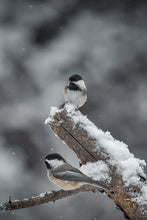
{"x": 75, "y": 92}
{"x": 65, "y": 175}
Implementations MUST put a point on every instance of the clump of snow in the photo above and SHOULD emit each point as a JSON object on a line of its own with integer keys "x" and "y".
{"x": 97, "y": 171}
{"x": 130, "y": 170}
{"x": 70, "y": 107}
{"x": 42, "y": 195}
{"x": 53, "y": 111}
{"x": 129, "y": 167}
{"x": 26, "y": 199}
{"x": 142, "y": 199}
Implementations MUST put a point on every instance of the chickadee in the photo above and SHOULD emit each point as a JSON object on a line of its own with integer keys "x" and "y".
{"x": 75, "y": 92}
{"x": 65, "y": 175}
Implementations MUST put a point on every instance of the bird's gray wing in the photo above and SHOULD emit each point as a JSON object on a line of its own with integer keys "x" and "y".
{"x": 69, "y": 173}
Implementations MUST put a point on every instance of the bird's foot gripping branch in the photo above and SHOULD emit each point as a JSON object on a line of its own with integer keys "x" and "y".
{"x": 104, "y": 159}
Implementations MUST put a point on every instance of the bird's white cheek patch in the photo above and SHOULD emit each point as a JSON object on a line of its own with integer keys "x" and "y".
{"x": 81, "y": 84}
{"x": 55, "y": 163}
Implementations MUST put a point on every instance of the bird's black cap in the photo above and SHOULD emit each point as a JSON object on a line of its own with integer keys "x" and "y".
{"x": 54, "y": 156}
{"x": 75, "y": 78}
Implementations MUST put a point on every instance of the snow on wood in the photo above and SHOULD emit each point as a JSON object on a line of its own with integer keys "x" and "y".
{"x": 104, "y": 159}
{"x": 43, "y": 198}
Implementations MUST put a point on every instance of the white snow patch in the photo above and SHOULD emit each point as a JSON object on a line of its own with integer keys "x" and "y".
{"x": 97, "y": 171}
{"x": 129, "y": 167}
{"x": 142, "y": 199}
{"x": 53, "y": 111}
{"x": 69, "y": 107}
{"x": 42, "y": 195}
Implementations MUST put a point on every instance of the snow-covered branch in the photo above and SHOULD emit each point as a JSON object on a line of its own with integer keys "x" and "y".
{"x": 104, "y": 159}
{"x": 43, "y": 198}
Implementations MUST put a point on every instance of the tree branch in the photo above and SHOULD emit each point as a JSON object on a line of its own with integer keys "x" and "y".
{"x": 85, "y": 140}
{"x": 43, "y": 198}
{"x": 74, "y": 129}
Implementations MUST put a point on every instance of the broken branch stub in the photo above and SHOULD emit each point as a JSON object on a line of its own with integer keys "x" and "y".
{"x": 67, "y": 125}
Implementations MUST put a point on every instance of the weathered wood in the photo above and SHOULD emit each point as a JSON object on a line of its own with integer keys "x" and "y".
{"x": 47, "y": 197}
{"x": 84, "y": 146}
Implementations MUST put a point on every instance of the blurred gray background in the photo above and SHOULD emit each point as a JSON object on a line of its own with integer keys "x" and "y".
{"x": 42, "y": 42}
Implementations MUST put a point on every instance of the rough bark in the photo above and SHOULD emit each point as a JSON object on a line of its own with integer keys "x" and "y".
{"x": 47, "y": 197}
{"x": 84, "y": 147}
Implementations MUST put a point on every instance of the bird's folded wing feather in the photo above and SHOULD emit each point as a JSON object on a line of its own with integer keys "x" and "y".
{"x": 69, "y": 173}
